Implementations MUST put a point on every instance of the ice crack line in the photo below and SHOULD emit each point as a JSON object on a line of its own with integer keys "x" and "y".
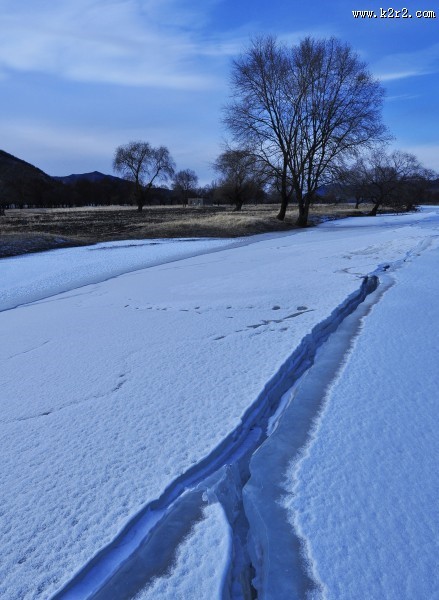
{"x": 229, "y": 462}
{"x": 281, "y": 557}
{"x": 122, "y": 380}
{"x": 29, "y": 350}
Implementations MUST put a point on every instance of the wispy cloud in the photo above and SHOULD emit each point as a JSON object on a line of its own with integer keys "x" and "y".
{"x": 170, "y": 44}
{"x": 408, "y": 64}
{"x": 140, "y": 43}
{"x": 399, "y": 97}
{"x": 393, "y": 76}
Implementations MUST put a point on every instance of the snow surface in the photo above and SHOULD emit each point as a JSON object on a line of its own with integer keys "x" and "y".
{"x": 36, "y": 276}
{"x": 111, "y": 391}
{"x": 366, "y": 494}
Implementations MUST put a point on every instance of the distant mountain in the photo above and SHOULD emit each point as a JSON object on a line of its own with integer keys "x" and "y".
{"x": 22, "y": 184}
{"x": 104, "y": 182}
{"x": 11, "y": 167}
{"x": 93, "y": 177}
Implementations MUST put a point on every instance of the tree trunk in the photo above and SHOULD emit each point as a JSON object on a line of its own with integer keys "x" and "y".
{"x": 302, "y": 220}
{"x": 284, "y": 197}
{"x": 373, "y": 212}
{"x": 283, "y": 209}
{"x": 138, "y": 196}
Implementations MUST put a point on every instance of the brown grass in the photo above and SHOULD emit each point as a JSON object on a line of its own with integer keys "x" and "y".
{"x": 31, "y": 230}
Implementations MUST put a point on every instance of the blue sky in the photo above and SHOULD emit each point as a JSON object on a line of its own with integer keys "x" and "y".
{"x": 79, "y": 77}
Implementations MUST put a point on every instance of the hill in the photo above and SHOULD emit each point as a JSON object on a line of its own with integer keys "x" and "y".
{"x": 93, "y": 177}
{"x": 12, "y": 164}
{"x": 23, "y": 184}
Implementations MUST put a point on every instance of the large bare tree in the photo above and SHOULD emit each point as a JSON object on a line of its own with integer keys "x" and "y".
{"x": 143, "y": 165}
{"x": 302, "y": 109}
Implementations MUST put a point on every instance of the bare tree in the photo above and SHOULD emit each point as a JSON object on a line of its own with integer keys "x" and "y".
{"x": 143, "y": 165}
{"x": 301, "y": 110}
{"x": 394, "y": 179}
{"x": 242, "y": 176}
{"x": 351, "y": 181}
{"x": 185, "y": 183}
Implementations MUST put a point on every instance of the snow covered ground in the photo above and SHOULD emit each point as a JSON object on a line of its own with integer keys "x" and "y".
{"x": 366, "y": 494}
{"x": 36, "y": 276}
{"x": 135, "y": 385}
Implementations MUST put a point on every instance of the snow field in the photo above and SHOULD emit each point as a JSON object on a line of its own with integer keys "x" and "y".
{"x": 110, "y": 392}
{"x": 364, "y": 497}
{"x": 35, "y": 276}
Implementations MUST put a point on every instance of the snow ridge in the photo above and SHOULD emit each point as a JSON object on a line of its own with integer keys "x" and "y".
{"x": 219, "y": 477}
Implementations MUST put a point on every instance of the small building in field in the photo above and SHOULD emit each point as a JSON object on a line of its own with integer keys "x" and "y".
{"x": 195, "y": 201}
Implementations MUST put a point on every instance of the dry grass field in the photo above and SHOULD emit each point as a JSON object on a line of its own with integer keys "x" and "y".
{"x": 32, "y": 230}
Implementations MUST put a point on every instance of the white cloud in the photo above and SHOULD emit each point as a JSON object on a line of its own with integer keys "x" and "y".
{"x": 171, "y": 44}
{"x": 401, "y": 97}
{"x": 408, "y": 64}
{"x": 393, "y": 76}
{"x": 127, "y": 42}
